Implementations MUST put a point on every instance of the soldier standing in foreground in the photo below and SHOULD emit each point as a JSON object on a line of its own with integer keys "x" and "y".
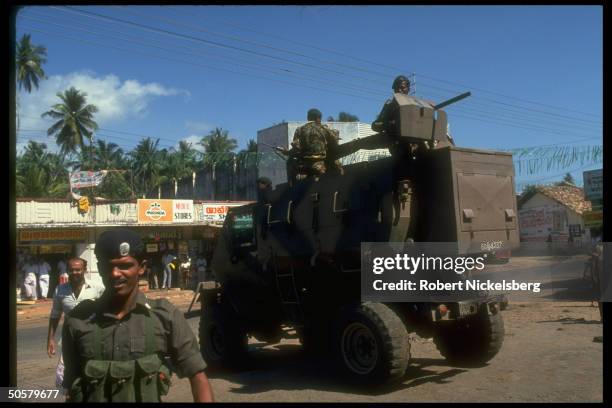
{"x": 114, "y": 347}
{"x": 311, "y": 148}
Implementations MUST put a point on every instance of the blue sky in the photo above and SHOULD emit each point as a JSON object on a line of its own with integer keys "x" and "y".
{"x": 535, "y": 72}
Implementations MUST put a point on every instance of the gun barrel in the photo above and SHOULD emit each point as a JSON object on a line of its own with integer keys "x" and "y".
{"x": 452, "y": 100}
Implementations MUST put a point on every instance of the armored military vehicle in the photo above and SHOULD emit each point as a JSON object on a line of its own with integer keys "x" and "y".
{"x": 292, "y": 259}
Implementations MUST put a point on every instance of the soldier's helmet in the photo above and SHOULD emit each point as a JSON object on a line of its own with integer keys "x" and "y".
{"x": 397, "y": 82}
{"x": 313, "y": 114}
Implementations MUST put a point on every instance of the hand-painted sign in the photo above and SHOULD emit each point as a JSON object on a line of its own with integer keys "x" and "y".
{"x": 82, "y": 179}
{"x": 52, "y": 235}
{"x": 183, "y": 211}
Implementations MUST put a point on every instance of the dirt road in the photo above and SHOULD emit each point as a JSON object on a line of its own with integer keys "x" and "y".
{"x": 548, "y": 355}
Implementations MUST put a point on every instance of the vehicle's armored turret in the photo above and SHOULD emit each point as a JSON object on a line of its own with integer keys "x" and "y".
{"x": 416, "y": 121}
{"x": 293, "y": 258}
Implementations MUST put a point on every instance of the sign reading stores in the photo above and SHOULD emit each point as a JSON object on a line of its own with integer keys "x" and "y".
{"x": 214, "y": 213}
{"x": 165, "y": 211}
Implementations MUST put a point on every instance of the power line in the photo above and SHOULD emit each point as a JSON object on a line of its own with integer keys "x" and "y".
{"x": 196, "y": 28}
{"x": 506, "y": 96}
{"x": 401, "y": 69}
{"x": 528, "y": 114}
{"x": 481, "y": 117}
{"x": 130, "y": 51}
{"x": 199, "y": 15}
{"x": 204, "y": 41}
{"x": 266, "y": 68}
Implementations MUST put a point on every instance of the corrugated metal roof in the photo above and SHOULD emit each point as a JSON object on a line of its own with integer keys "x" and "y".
{"x": 53, "y": 214}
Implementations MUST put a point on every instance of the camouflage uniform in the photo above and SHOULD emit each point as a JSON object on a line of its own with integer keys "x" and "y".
{"x": 309, "y": 154}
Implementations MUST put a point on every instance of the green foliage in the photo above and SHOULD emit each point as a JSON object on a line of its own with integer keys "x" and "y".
{"x": 40, "y": 173}
{"x": 29, "y": 59}
{"x": 75, "y": 120}
{"x": 181, "y": 162}
{"x": 116, "y": 185}
{"x": 344, "y": 117}
{"x": 218, "y": 147}
{"x": 147, "y": 163}
{"x": 569, "y": 179}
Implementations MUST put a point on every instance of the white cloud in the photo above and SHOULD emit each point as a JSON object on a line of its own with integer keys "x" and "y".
{"x": 116, "y": 100}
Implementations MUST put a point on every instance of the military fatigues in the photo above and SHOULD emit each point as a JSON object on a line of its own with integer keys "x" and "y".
{"x": 310, "y": 151}
{"x": 111, "y": 360}
{"x": 386, "y": 119}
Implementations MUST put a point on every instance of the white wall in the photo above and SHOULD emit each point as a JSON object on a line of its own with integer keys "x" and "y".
{"x": 274, "y": 168}
{"x": 538, "y": 216}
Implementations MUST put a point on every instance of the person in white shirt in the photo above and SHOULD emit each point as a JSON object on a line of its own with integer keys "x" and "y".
{"x": 66, "y": 297}
{"x": 30, "y": 269}
{"x": 43, "y": 278}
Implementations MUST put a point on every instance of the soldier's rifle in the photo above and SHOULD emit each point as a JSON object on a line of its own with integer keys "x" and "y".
{"x": 282, "y": 152}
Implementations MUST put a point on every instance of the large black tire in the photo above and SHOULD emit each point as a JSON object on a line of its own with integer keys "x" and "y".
{"x": 223, "y": 342}
{"x": 371, "y": 344}
{"x": 472, "y": 341}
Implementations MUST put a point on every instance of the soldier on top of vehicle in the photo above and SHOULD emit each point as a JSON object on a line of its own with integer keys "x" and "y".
{"x": 313, "y": 149}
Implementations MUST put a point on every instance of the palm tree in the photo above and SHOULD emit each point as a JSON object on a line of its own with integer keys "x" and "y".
{"x": 180, "y": 162}
{"x": 218, "y": 147}
{"x": 344, "y": 117}
{"x": 109, "y": 156}
{"x": 251, "y": 146}
{"x": 75, "y": 120}
{"x": 29, "y": 61}
{"x": 248, "y": 155}
{"x": 40, "y": 173}
{"x": 147, "y": 165}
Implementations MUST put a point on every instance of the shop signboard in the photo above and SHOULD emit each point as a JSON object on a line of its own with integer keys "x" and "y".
{"x": 162, "y": 211}
{"x": 183, "y": 211}
{"x": 214, "y": 213}
{"x": 151, "y": 248}
{"x": 52, "y": 235}
{"x": 593, "y": 185}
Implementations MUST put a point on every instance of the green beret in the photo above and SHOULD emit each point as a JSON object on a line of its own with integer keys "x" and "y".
{"x": 119, "y": 243}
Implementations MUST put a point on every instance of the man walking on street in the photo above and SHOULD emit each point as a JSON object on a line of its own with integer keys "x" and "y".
{"x": 167, "y": 260}
{"x": 30, "y": 268}
{"x": 115, "y": 347}
{"x": 66, "y": 297}
{"x": 44, "y": 269}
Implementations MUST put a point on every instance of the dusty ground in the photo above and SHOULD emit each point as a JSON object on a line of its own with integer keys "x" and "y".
{"x": 548, "y": 356}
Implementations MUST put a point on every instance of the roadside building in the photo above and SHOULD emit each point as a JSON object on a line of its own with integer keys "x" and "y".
{"x": 54, "y": 227}
{"x": 593, "y": 191}
{"x": 272, "y": 166}
{"x": 554, "y": 214}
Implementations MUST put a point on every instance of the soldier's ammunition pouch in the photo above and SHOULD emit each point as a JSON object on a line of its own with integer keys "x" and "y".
{"x": 121, "y": 378}
{"x": 144, "y": 379}
{"x": 153, "y": 378}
